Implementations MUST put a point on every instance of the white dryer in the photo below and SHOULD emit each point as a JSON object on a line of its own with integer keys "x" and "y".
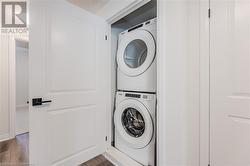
{"x": 134, "y": 120}
{"x": 136, "y": 58}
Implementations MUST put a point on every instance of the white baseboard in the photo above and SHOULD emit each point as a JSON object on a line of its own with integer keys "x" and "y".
{"x": 21, "y": 131}
{"x": 118, "y": 158}
{"x": 4, "y": 137}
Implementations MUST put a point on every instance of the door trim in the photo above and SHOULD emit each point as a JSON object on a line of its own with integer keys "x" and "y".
{"x": 200, "y": 151}
{"x": 204, "y": 83}
{"x": 126, "y": 10}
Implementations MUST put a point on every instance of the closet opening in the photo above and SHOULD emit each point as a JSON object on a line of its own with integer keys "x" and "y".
{"x": 134, "y": 80}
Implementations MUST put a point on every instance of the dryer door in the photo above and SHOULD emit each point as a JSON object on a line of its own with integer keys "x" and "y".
{"x": 134, "y": 123}
{"x": 136, "y": 52}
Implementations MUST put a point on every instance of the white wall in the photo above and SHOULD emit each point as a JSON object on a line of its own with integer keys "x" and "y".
{"x": 22, "y": 120}
{"x": 21, "y": 76}
{"x": 178, "y": 83}
{"x": 114, "y": 44}
{"x": 4, "y": 88}
{"x": 22, "y": 86}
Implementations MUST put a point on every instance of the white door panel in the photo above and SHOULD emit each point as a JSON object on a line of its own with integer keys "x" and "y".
{"x": 68, "y": 65}
{"x": 69, "y": 32}
{"x": 230, "y": 83}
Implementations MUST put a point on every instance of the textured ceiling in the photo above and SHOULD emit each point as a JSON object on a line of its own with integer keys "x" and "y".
{"x": 90, "y": 5}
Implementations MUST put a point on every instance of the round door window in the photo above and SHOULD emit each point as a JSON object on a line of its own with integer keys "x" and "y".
{"x": 133, "y": 122}
{"x": 135, "y": 53}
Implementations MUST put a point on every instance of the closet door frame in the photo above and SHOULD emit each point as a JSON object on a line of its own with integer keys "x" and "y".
{"x": 165, "y": 134}
{"x": 205, "y": 14}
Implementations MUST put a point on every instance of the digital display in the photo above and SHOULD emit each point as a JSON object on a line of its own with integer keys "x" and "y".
{"x": 133, "y": 95}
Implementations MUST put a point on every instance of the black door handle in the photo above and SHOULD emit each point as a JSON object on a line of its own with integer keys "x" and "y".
{"x": 39, "y": 101}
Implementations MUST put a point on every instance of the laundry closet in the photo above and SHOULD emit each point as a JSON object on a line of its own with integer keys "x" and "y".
{"x": 134, "y": 84}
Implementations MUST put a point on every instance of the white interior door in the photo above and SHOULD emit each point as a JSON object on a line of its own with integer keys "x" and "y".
{"x": 69, "y": 66}
{"x": 230, "y": 83}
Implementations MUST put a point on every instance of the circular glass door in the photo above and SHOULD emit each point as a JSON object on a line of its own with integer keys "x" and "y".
{"x": 135, "y": 53}
{"x": 133, "y": 122}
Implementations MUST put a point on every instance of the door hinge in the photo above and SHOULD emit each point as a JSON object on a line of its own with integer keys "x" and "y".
{"x": 106, "y": 37}
{"x": 209, "y": 13}
{"x": 106, "y": 138}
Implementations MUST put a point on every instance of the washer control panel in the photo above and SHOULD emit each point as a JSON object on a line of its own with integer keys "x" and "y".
{"x": 132, "y": 95}
{"x": 142, "y": 96}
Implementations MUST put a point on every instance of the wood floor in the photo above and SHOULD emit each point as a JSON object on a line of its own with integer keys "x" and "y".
{"x": 15, "y": 152}
{"x": 98, "y": 161}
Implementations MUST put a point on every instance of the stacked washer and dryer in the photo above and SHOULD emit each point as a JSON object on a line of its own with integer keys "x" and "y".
{"x": 135, "y": 112}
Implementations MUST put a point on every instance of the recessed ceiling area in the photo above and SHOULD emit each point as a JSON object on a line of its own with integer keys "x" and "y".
{"x": 110, "y": 9}
{"x": 92, "y": 6}
{"x": 144, "y": 13}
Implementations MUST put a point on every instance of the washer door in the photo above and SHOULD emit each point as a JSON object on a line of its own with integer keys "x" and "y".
{"x": 134, "y": 123}
{"x": 136, "y": 52}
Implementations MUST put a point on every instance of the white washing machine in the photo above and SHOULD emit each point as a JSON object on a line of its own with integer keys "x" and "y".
{"x": 136, "y": 58}
{"x": 134, "y": 120}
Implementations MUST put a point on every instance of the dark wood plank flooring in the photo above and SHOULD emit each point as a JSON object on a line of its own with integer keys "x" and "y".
{"x": 15, "y": 152}
{"x": 98, "y": 161}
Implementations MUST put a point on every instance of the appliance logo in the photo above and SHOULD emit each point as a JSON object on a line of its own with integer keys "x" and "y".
{"x": 14, "y": 17}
